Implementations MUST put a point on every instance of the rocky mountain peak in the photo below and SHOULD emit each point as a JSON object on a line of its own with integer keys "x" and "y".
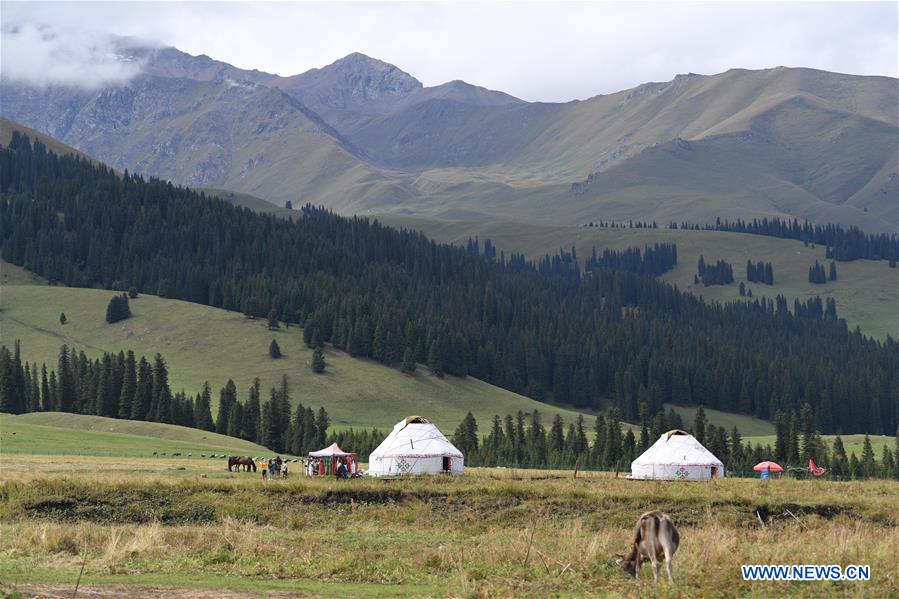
{"x": 360, "y": 77}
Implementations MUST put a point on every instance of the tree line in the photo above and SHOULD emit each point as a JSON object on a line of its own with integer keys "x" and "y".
{"x": 523, "y": 441}
{"x": 651, "y": 261}
{"x": 842, "y": 244}
{"x": 123, "y": 386}
{"x": 546, "y": 329}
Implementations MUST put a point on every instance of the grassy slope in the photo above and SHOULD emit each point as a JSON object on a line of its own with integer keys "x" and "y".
{"x": 747, "y": 425}
{"x": 59, "y": 433}
{"x": 202, "y": 343}
{"x": 866, "y": 292}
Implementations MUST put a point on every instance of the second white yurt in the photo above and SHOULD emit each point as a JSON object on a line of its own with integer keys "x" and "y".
{"x": 677, "y": 455}
{"x": 415, "y": 446}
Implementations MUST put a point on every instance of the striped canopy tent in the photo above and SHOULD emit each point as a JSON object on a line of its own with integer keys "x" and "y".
{"x": 415, "y": 446}
{"x": 329, "y": 457}
{"x": 677, "y": 455}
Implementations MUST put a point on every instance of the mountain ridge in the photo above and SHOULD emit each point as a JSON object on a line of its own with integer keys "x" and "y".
{"x": 363, "y": 136}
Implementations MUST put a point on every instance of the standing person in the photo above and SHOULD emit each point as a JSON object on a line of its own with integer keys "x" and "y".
{"x": 263, "y": 465}
{"x": 284, "y": 470}
{"x": 339, "y": 473}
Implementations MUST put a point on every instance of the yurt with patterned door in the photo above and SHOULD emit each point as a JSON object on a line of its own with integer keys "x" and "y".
{"x": 677, "y": 455}
{"x": 415, "y": 446}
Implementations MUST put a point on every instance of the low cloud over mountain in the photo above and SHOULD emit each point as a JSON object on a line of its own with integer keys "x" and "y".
{"x": 42, "y": 55}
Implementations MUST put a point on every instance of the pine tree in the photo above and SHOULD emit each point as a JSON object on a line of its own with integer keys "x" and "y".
{"x": 203, "y": 410}
{"x": 65, "y": 382}
{"x": 227, "y": 397}
{"x": 272, "y": 320}
{"x": 9, "y": 400}
{"x": 118, "y": 309}
{"x": 808, "y": 432}
{"x": 162, "y": 395}
{"x": 833, "y": 271}
{"x": 269, "y": 424}
{"x": 408, "y": 361}
{"x": 580, "y": 439}
{"x": 737, "y": 456}
{"x": 274, "y": 351}
{"x": 436, "y": 358}
{"x": 318, "y": 360}
{"x": 322, "y": 422}
{"x": 252, "y": 414}
{"x": 855, "y": 468}
{"x": 35, "y": 391}
{"x": 298, "y": 430}
{"x": 310, "y": 433}
{"x": 644, "y": 427}
{"x": 47, "y": 403}
{"x": 129, "y": 387}
{"x": 140, "y": 408}
{"x": 869, "y": 466}
{"x": 235, "y": 420}
{"x": 886, "y": 463}
{"x": 614, "y": 452}
{"x": 466, "y": 435}
{"x": 699, "y": 423}
{"x": 793, "y": 453}
{"x": 840, "y": 466}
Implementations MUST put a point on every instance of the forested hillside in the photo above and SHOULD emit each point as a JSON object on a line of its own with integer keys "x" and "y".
{"x": 546, "y": 331}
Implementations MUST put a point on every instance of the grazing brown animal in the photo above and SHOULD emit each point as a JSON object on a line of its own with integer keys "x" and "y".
{"x": 655, "y": 538}
{"x": 246, "y": 462}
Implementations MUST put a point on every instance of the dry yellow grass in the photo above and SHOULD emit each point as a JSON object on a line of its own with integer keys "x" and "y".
{"x": 492, "y": 532}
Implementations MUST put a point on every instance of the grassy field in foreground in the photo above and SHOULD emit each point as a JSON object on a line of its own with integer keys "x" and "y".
{"x": 491, "y": 532}
{"x": 60, "y": 433}
{"x": 201, "y": 343}
{"x": 866, "y": 292}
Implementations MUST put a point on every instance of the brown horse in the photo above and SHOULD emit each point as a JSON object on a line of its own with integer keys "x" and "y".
{"x": 245, "y": 461}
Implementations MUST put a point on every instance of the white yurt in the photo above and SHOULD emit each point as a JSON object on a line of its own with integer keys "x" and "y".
{"x": 415, "y": 446}
{"x": 677, "y": 455}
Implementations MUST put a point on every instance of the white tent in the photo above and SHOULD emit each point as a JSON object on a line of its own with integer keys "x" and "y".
{"x": 677, "y": 455}
{"x": 415, "y": 446}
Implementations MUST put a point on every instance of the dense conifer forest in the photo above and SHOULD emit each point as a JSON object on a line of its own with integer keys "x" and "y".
{"x": 123, "y": 386}
{"x": 547, "y": 330}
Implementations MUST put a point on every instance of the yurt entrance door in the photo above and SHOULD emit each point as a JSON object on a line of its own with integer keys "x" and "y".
{"x": 446, "y": 463}
{"x": 714, "y": 472}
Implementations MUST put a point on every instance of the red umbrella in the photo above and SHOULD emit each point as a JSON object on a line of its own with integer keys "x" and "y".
{"x": 769, "y": 466}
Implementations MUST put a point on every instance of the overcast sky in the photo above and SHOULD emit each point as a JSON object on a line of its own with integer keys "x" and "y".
{"x": 536, "y": 51}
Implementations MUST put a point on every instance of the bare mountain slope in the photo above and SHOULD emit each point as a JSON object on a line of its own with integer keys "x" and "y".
{"x": 361, "y": 136}
{"x": 222, "y": 134}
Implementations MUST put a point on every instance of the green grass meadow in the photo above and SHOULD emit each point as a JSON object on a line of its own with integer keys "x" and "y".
{"x": 78, "y": 434}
